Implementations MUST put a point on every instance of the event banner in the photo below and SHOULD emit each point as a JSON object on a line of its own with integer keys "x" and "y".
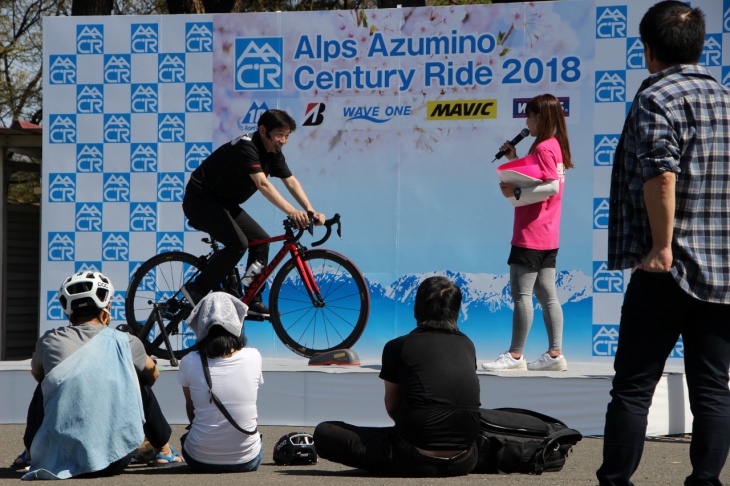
{"x": 400, "y": 113}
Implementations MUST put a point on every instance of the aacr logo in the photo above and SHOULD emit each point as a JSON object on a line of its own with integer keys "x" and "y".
{"x": 712, "y": 51}
{"x": 259, "y": 63}
{"x": 610, "y": 22}
{"x": 199, "y": 37}
{"x": 461, "y": 110}
{"x": 610, "y": 86}
{"x": 62, "y": 70}
{"x": 89, "y": 157}
{"x": 635, "y": 53}
{"x": 89, "y": 39}
{"x": 143, "y": 157}
{"x": 144, "y": 38}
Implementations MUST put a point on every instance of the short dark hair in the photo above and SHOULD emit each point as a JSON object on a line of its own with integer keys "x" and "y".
{"x": 438, "y": 301}
{"x": 273, "y": 119}
{"x": 674, "y": 31}
{"x": 219, "y": 343}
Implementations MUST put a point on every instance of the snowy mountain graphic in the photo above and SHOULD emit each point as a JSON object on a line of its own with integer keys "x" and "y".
{"x": 482, "y": 292}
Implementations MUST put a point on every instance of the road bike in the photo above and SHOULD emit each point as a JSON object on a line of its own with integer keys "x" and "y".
{"x": 318, "y": 300}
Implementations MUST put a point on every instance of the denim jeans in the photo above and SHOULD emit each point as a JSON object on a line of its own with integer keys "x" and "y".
{"x": 654, "y": 314}
{"x": 201, "y": 467}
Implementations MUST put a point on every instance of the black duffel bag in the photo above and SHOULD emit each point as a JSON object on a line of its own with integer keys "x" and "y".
{"x": 515, "y": 440}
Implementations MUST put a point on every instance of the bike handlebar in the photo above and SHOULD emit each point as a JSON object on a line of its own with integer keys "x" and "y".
{"x": 289, "y": 224}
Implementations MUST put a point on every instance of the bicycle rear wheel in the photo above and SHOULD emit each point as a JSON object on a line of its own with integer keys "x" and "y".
{"x": 158, "y": 281}
{"x": 308, "y": 328}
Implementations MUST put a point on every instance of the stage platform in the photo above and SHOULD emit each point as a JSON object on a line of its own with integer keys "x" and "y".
{"x": 297, "y": 394}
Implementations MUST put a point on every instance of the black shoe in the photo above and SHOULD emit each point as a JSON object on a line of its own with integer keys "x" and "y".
{"x": 192, "y": 294}
{"x": 258, "y": 308}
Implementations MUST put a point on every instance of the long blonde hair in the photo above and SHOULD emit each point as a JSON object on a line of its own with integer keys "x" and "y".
{"x": 550, "y": 123}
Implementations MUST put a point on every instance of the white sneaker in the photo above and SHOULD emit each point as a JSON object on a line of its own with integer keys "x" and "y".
{"x": 548, "y": 363}
{"x": 506, "y": 362}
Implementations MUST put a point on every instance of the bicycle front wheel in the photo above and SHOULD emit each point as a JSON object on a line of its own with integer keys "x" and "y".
{"x": 158, "y": 281}
{"x": 307, "y": 327}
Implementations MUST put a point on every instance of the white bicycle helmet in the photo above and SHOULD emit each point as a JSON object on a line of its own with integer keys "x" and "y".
{"x": 85, "y": 293}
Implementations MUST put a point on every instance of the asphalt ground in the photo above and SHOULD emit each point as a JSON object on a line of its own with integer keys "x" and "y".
{"x": 665, "y": 462}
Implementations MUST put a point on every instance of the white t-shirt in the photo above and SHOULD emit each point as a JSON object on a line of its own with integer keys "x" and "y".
{"x": 236, "y": 380}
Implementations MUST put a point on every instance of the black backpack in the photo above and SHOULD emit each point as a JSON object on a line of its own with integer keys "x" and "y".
{"x": 514, "y": 440}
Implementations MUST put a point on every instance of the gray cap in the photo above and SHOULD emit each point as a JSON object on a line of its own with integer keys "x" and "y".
{"x": 217, "y": 309}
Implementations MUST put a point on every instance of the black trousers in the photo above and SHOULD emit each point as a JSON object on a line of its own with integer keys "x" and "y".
{"x": 156, "y": 428}
{"x": 381, "y": 451}
{"x": 231, "y": 226}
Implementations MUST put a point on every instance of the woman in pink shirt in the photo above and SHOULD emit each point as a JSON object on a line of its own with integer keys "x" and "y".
{"x": 536, "y": 237}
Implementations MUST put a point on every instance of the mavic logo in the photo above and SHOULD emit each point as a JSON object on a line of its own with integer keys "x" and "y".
{"x": 116, "y": 187}
{"x": 171, "y": 68}
{"x": 143, "y": 217}
{"x": 170, "y": 187}
{"x": 117, "y": 68}
{"x": 62, "y": 129}
{"x": 610, "y": 22}
{"x": 600, "y": 213}
{"x": 169, "y": 242}
{"x": 145, "y": 38}
{"x": 118, "y": 312}
{"x": 88, "y": 216}
{"x": 199, "y": 37}
{"x": 610, "y": 86}
{"x": 459, "y": 110}
{"x": 259, "y": 64}
{"x": 604, "y": 149}
{"x": 54, "y": 311}
{"x": 712, "y": 51}
{"x": 635, "y": 53}
{"x": 115, "y": 246}
{"x": 61, "y": 247}
{"x": 90, "y": 98}
{"x": 89, "y": 39}
{"x": 196, "y": 153}
{"x": 171, "y": 127}
{"x": 607, "y": 281}
{"x": 117, "y": 128}
{"x": 199, "y": 97}
{"x": 605, "y": 340}
{"x": 90, "y": 157}
{"x": 62, "y": 69}
{"x": 314, "y": 114}
{"x": 144, "y": 98}
{"x": 62, "y": 188}
{"x": 143, "y": 157}
{"x": 249, "y": 121}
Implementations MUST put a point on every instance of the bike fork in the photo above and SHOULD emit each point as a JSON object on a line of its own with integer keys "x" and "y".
{"x": 311, "y": 285}
{"x": 165, "y": 336}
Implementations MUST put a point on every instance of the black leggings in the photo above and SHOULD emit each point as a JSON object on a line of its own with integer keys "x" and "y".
{"x": 382, "y": 451}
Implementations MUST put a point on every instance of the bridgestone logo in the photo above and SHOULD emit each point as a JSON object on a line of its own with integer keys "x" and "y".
{"x": 462, "y": 109}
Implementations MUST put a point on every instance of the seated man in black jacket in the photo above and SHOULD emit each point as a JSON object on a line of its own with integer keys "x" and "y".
{"x": 431, "y": 393}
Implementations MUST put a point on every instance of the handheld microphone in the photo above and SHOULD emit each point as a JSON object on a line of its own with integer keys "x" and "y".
{"x": 525, "y": 132}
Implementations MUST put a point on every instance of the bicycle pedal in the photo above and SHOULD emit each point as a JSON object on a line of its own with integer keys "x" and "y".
{"x": 257, "y": 317}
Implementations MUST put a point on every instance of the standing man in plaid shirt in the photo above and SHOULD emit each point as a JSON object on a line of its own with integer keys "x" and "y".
{"x": 669, "y": 220}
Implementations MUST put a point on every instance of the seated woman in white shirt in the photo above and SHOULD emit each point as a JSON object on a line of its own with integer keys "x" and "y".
{"x": 213, "y": 444}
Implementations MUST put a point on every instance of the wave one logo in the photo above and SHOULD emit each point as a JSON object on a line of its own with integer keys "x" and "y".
{"x": 143, "y": 217}
{"x": 171, "y": 68}
{"x": 89, "y": 39}
{"x": 199, "y": 97}
{"x": 196, "y": 153}
{"x": 90, "y": 98}
{"x": 170, "y": 187}
{"x": 144, "y": 98}
{"x": 143, "y": 157}
{"x": 712, "y": 51}
{"x": 115, "y": 246}
{"x": 607, "y": 281}
{"x": 199, "y": 37}
{"x": 116, "y": 187}
{"x": 117, "y": 68}
{"x": 600, "y": 213}
{"x": 169, "y": 242}
{"x": 611, "y": 22}
{"x": 610, "y": 86}
{"x": 145, "y": 38}
{"x": 90, "y": 157}
{"x": 62, "y": 69}
{"x": 62, "y": 129}
{"x": 259, "y": 64}
{"x": 61, "y": 246}
{"x": 62, "y": 187}
{"x": 604, "y": 149}
{"x": 171, "y": 127}
{"x": 88, "y": 216}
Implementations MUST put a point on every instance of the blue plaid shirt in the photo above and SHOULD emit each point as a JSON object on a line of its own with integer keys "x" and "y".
{"x": 679, "y": 122}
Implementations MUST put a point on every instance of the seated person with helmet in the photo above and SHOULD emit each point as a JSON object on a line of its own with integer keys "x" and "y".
{"x": 220, "y": 382}
{"x": 93, "y": 404}
{"x": 431, "y": 393}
